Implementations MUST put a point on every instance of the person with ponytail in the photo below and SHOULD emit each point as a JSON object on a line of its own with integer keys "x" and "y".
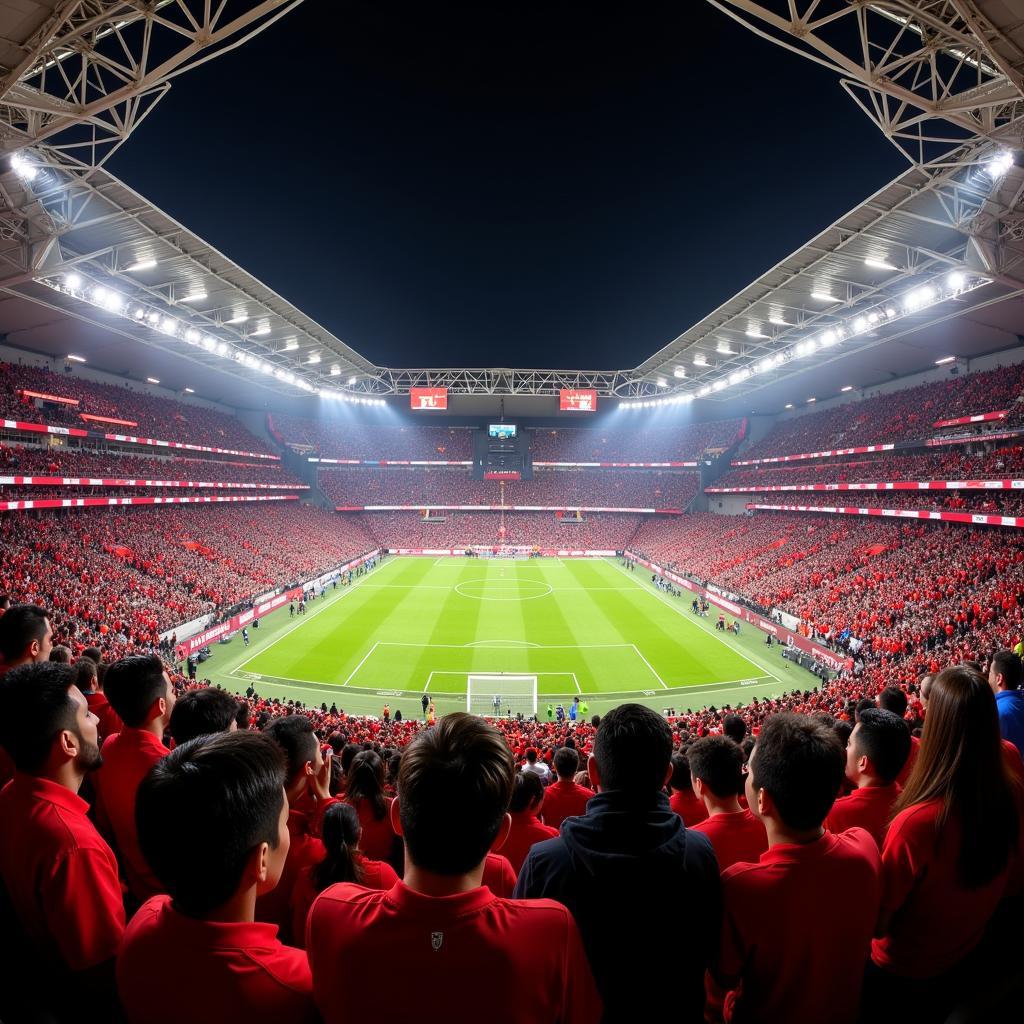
{"x": 364, "y": 790}
{"x": 949, "y": 855}
{"x": 344, "y": 862}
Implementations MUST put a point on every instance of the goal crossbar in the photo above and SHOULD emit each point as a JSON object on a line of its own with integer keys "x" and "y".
{"x": 496, "y": 694}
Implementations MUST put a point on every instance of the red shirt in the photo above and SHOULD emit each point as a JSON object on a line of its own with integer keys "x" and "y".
{"x": 794, "y": 962}
{"x": 469, "y": 956}
{"x": 228, "y": 971}
{"x": 1011, "y": 755}
{"x": 127, "y": 757}
{"x": 564, "y": 799}
{"x": 526, "y": 830}
{"x": 868, "y": 807}
{"x": 377, "y": 874}
{"x": 60, "y": 874}
{"x": 304, "y": 819}
{"x": 686, "y": 804}
{"x": 378, "y": 837}
{"x": 936, "y": 921}
{"x": 499, "y": 875}
{"x": 915, "y": 746}
{"x": 110, "y": 720}
{"x": 738, "y": 836}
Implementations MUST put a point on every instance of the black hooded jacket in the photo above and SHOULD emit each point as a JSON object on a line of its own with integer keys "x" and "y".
{"x": 645, "y": 892}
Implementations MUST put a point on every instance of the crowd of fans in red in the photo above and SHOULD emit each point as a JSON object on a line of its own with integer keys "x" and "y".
{"x": 959, "y": 462}
{"x": 899, "y": 415}
{"x": 598, "y": 531}
{"x": 342, "y": 439}
{"x": 627, "y": 488}
{"x": 156, "y": 417}
{"x": 124, "y": 576}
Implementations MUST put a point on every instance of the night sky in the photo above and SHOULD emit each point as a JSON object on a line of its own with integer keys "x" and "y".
{"x": 535, "y": 184}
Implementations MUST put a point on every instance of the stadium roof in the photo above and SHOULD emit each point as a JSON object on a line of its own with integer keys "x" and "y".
{"x": 925, "y": 267}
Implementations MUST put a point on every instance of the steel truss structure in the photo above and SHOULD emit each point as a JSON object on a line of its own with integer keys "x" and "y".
{"x": 942, "y": 79}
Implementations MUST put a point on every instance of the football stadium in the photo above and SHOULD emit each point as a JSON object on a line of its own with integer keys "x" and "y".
{"x": 625, "y": 618}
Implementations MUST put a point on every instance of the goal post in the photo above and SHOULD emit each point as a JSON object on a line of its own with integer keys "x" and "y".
{"x": 495, "y": 694}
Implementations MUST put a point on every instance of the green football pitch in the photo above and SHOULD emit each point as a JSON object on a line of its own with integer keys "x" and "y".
{"x": 422, "y": 625}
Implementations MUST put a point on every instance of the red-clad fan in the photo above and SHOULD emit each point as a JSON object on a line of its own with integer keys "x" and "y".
{"x": 365, "y": 791}
{"x": 564, "y": 799}
{"x": 782, "y": 959}
{"x": 683, "y": 800}
{"x": 141, "y": 693}
{"x": 894, "y": 700}
{"x": 499, "y": 875}
{"x": 445, "y": 928}
{"x": 26, "y": 637}
{"x": 526, "y": 829}
{"x": 875, "y": 754}
{"x": 343, "y": 862}
{"x": 213, "y": 822}
{"x": 58, "y": 873}
{"x": 948, "y": 854}
{"x": 716, "y": 767}
{"x": 91, "y": 685}
{"x": 308, "y": 790}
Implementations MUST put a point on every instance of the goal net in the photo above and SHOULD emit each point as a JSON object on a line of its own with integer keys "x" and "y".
{"x": 495, "y": 694}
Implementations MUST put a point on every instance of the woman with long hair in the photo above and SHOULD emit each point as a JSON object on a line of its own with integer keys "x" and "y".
{"x": 948, "y": 856}
{"x": 364, "y": 790}
{"x": 342, "y": 862}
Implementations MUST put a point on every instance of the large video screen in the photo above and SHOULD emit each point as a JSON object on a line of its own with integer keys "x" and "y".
{"x": 502, "y": 431}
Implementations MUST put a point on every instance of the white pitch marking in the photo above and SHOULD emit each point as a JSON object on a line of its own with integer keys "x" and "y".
{"x": 649, "y": 665}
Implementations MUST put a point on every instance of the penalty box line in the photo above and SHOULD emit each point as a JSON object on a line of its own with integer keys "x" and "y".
{"x": 452, "y": 672}
{"x": 470, "y": 646}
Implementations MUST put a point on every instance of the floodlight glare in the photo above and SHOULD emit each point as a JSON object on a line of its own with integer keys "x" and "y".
{"x": 999, "y": 165}
{"x": 700, "y": 359}
{"x": 956, "y": 280}
{"x": 196, "y": 296}
{"x": 823, "y": 296}
{"x": 828, "y": 339}
{"x": 72, "y": 281}
{"x": 679, "y": 372}
{"x": 23, "y": 168}
{"x": 192, "y": 336}
{"x": 724, "y": 347}
{"x": 141, "y": 265}
{"x": 879, "y": 264}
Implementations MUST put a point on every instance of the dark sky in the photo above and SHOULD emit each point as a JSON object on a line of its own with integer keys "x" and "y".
{"x": 533, "y": 184}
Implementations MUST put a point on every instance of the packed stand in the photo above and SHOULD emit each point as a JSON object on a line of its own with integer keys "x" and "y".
{"x": 161, "y": 418}
{"x": 897, "y": 416}
{"x": 597, "y": 531}
{"x": 353, "y": 440}
{"x": 125, "y": 576}
{"x": 550, "y": 487}
{"x": 957, "y": 463}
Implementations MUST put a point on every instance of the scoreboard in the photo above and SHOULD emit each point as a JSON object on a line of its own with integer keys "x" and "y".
{"x": 501, "y": 452}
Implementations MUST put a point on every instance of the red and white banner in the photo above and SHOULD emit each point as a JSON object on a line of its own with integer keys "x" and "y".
{"x": 428, "y": 399}
{"x": 834, "y": 661}
{"x": 89, "y": 417}
{"x": 37, "y": 503}
{"x": 971, "y": 518}
{"x": 860, "y": 450}
{"x": 47, "y": 428}
{"x": 506, "y": 508}
{"x": 982, "y": 417}
{"x": 91, "y": 481}
{"x": 42, "y": 396}
{"x": 892, "y": 485}
{"x": 502, "y": 474}
{"x": 577, "y": 400}
{"x": 1003, "y": 435}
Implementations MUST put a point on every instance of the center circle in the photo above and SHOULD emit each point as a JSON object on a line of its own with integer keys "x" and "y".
{"x": 525, "y": 590}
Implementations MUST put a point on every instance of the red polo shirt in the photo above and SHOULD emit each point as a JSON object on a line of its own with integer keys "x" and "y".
{"x": 378, "y": 836}
{"x": 526, "y": 830}
{"x": 738, "y": 836}
{"x": 915, "y": 746}
{"x": 377, "y": 874}
{"x": 59, "y": 873}
{"x": 471, "y": 955}
{"x": 687, "y": 805}
{"x": 793, "y": 962}
{"x": 110, "y": 721}
{"x": 564, "y": 799}
{"x": 936, "y": 922}
{"x": 228, "y": 971}
{"x": 304, "y": 819}
{"x": 127, "y": 757}
{"x": 868, "y": 807}
{"x": 499, "y": 875}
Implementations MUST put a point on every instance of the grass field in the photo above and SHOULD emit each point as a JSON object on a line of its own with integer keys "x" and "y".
{"x": 584, "y": 626}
